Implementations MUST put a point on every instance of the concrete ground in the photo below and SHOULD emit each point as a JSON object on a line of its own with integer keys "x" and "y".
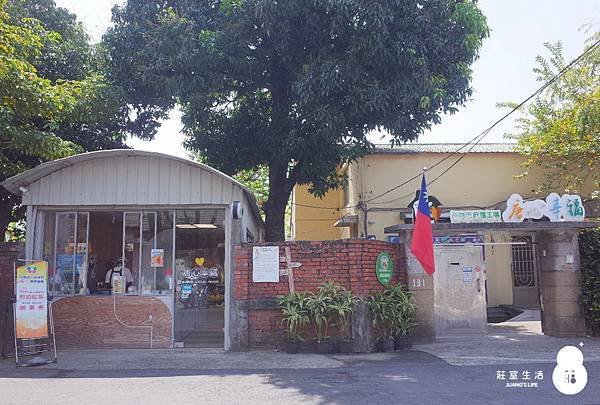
{"x": 519, "y": 340}
{"x": 453, "y": 371}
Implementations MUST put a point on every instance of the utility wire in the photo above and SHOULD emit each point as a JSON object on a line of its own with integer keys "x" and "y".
{"x": 473, "y": 142}
{"x": 476, "y": 140}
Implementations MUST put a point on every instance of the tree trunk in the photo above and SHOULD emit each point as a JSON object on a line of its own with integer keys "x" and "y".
{"x": 279, "y": 195}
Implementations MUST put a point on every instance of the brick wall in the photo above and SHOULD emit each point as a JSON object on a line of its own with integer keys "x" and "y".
{"x": 9, "y": 253}
{"x": 349, "y": 262}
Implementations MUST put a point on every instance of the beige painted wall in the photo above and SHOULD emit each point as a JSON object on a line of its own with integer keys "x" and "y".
{"x": 316, "y": 223}
{"x": 479, "y": 180}
{"x": 497, "y": 270}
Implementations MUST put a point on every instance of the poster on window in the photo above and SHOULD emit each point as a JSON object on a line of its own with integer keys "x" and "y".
{"x": 157, "y": 258}
{"x": 31, "y": 308}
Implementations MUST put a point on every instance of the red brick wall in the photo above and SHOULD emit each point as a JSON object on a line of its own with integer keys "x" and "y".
{"x": 349, "y": 262}
{"x": 9, "y": 253}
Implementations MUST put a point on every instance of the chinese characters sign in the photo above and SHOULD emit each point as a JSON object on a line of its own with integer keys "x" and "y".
{"x": 384, "y": 268}
{"x": 265, "y": 264}
{"x": 31, "y": 310}
{"x": 566, "y": 208}
{"x": 474, "y": 216}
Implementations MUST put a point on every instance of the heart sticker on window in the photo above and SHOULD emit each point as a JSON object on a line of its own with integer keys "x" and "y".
{"x": 199, "y": 261}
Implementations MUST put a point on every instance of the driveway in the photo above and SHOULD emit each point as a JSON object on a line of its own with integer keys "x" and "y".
{"x": 454, "y": 371}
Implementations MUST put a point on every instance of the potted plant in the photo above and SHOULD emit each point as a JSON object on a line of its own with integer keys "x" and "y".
{"x": 341, "y": 309}
{"x": 404, "y": 319}
{"x": 295, "y": 317}
{"x": 382, "y": 310}
{"x": 321, "y": 315}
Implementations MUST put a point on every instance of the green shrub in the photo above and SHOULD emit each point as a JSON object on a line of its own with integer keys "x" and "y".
{"x": 392, "y": 312}
{"x": 589, "y": 249}
{"x": 331, "y": 304}
{"x": 294, "y": 308}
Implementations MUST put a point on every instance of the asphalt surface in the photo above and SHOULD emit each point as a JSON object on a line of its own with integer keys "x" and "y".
{"x": 410, "y": 377}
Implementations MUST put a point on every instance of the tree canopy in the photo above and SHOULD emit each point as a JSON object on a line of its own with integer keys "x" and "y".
{"x": 53, "y": 99}
{"x": 559, "y": 131}
{"x": 294, "y": 86}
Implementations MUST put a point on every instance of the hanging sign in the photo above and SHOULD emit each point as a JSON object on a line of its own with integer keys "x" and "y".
{"x": 157, "y": 258}
{"x": 265, "y": 264}
{"x": 384, "y": 268}
{"x": 31, "y": 307}
{"x": 475, "y": 216}
{"x": 458, "y": 239}
{"x": 566, "y": 208}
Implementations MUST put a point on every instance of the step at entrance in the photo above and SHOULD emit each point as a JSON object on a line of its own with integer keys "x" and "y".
{"x": 204, "y": 339}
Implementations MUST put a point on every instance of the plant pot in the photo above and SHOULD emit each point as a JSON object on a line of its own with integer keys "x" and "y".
{"x": 308, "y": 347}
{"x": 327, "y": 347}
{"x": 346, "y": 346}
{"x": 385, "y": 345}
{"x": 402, "y": 342}
{"x": 292, "y": 347}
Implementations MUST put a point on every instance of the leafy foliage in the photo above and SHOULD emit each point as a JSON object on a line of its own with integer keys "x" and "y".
{"x": 332, "y": 304}
{"x": 53, "y": 99}
{"x": 589, "y": 249}
{"x": 294, "y": 314}
{"x": 392, "y": 311}
{"x": 559, "y": 132}
{"x": 294, "y": 86}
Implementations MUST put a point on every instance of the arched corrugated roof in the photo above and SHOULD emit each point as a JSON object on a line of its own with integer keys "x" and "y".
{"x": 28, "y": 177}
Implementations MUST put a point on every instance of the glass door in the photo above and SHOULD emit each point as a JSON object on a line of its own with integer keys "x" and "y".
{"x": 200, "y": 290}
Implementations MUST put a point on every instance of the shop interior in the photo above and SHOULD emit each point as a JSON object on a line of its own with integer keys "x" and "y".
{"x": 86, "y": 252}
{"x": 131, "y": 253}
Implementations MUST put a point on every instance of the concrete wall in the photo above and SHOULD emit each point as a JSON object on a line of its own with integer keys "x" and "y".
{"x": 560, "y": 272}
{"x": 350, "y": 262}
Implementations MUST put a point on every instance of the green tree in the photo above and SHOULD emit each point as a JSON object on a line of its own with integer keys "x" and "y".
{"x": 53, "y": 99}
{"x": 295, "y": 85}
{"x": 559, "y": 131}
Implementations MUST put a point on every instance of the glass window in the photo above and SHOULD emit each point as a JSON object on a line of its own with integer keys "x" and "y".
{"x": 157, "y": 252}
{"x": 131, "y": 249}
{"x": 83, "y": 250}
{"x": 70, "y": 254}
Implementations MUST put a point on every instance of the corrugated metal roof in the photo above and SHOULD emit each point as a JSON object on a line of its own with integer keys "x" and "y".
{"x": 48, "y": 169}
{"x": 445, "y": 148}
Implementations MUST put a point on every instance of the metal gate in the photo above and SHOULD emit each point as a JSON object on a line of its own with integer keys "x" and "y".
{"x": 524, "y": 275}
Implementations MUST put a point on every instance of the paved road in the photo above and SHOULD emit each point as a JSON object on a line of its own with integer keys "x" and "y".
{"x": 409, "y": 378}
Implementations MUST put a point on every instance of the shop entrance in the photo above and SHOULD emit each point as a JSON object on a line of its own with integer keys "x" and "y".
{"x": 200, "y": 278}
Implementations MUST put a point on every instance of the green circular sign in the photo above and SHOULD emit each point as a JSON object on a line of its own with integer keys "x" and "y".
{"x": 384, "y": 268}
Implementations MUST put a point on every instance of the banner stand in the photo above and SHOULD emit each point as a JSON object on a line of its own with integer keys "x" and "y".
{"x": 34, "y": 346}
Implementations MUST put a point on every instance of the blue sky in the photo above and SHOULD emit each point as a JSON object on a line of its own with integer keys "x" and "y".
{"x": 503, "y": 72}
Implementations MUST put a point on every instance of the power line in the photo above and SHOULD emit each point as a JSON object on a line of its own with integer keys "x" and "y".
{"x": 522, "y": 103}
{"x": 473, "y": 142}
{"x": 476, "y": 140}
{"x": 322, "y": 208}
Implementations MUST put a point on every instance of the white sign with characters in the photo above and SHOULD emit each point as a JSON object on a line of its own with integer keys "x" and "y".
{"x": 566, "y": 208}
{"x": 265, "y": 264}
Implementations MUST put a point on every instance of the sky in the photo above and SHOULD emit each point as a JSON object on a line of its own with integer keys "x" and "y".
{"x": 502, "y": 73}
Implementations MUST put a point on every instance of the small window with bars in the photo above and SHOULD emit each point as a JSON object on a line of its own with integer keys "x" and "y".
{"x": 523, "y": 266}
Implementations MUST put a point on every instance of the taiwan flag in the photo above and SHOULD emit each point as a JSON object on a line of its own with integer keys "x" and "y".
{"x": 422, "y": 241}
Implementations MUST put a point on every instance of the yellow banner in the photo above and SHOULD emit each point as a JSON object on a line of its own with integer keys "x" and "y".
{"x": 31, "y": 310}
